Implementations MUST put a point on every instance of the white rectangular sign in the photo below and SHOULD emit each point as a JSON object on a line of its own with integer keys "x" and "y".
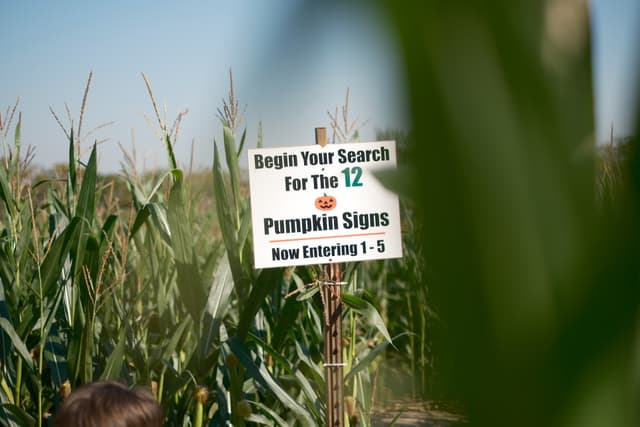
{"x": 318, "y": 205}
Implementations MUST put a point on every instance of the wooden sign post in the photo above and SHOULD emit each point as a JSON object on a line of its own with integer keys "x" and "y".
{"x": 332, "y": 301}
{"x": 322, "y": 205}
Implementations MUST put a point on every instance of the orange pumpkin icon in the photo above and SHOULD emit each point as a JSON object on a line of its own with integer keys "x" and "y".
{"x": 325, "y": 203}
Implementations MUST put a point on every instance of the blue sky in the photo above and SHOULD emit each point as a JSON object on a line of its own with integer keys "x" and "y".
{"x": 186, "y": 50}
{"x": 616, "y": 62}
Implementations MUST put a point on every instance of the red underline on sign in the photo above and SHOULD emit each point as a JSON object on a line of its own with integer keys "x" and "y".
{"x": 328, "y": 237}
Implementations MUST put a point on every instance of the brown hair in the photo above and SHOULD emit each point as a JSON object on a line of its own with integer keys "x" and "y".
{"x": 109, "y": 404}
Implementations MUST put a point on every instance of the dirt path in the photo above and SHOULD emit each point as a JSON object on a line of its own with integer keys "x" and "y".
{"x": 413, "y": 414}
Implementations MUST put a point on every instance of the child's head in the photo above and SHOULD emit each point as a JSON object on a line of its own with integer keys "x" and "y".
{"x": 109, "y": 404}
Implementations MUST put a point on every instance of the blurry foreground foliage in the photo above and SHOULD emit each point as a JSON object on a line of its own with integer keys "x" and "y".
{"x": 536, "y": 287}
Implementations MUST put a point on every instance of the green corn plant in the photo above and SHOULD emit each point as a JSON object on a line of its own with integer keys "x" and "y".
{"x": 25, "y": 316}
{"x": 38, "y": 272}
{"x": 251, "y": 288}
{"x": 155, "y": 292}
{"x": 198, "y": 277}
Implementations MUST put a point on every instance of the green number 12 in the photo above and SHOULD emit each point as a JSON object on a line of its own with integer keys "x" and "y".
{"x": 357, "y": 174}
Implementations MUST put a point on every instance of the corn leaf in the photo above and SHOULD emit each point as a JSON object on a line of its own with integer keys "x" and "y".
{"x": 159, "y": 218}
{"x": 259, "y": 419}
{"x": 308, "y": 293}
{"x": 17, "y": 343}
{"x": 85, "y": 209}
{"x": 53, "y": 264}
{"x": 6, "y": 348}
{"x": 245, "y": 228}
{"x": 228, "y": 226}
{"x": 234, "y": 174}
{"x": 303, "y": 355}
{"x": 84, "y": 363}
{"x": 169, "y": 147}
{"x": 141, "y": 218}
{"x": 305, "y": 384}
{"x": 267, "y": 280}
{"x": 17, "y": 142}
{"x": 189, "y": 280}
{"x": 115, "y": 360}
{"x": 155, "y": 189}
{"x": 369, "y": 357}
{"x": 369, "y": 312}
{"x": 55, "y": 357}
{"x": 273, "y": 414}
{"x": 175, "y": 337}
{"x": 72, "y": 179}
{"x": 53, "y": 344}
{"x": 217, "y": 303}
{"x": 17, "y": 416}
{"x": 242, "y": 141}
{"x": 223, "y": 203}
{"x": 108, "y": 229}
{"x": 5, "y": 193}
{"x": 257, "y": 370}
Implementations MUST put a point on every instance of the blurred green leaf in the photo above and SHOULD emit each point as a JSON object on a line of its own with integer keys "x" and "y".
{"x": 397, "y": 180}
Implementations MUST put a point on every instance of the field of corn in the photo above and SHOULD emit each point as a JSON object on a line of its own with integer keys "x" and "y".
{"x": 149, "y": 280}
{"x": 518, "y": 230}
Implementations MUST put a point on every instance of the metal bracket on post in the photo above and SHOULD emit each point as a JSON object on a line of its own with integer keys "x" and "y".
{"x": 331, "y": 291}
